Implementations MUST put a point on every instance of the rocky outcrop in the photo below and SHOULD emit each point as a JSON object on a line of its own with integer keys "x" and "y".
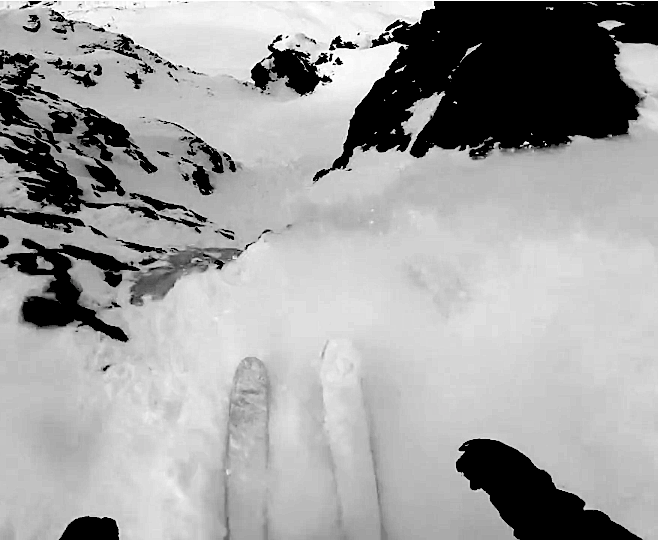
{"x": 393, "y": 33}
{"x": 527, "y": 499}
{"x": 299, "y": 61}
{"x": 508, "y": 76}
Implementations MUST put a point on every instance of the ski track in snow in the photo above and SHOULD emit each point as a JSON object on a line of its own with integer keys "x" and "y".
{"x": 510, "y": 298}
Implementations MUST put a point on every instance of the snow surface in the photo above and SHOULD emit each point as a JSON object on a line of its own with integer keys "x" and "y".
{"x": 511, "y": 298}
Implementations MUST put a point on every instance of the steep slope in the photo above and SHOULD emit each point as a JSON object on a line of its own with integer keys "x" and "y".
{"x": 512, "y": 297}
{"x": 61, "y": 168}
{"x": 497, "y": 82}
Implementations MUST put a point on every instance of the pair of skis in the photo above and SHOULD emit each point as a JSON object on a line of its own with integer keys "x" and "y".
{"x": 348, "y": 436}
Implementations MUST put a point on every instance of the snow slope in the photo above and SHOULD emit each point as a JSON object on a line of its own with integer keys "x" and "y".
{"x": 511, "y": 298}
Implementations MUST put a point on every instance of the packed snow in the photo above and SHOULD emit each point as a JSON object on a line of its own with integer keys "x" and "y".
{"x": 511, "y": 298}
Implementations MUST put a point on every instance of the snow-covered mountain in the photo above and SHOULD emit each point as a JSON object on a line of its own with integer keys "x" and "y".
{"x": 159, "y": 222}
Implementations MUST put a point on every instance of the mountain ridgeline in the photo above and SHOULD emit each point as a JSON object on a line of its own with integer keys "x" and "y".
{"x": 502, "y": 75}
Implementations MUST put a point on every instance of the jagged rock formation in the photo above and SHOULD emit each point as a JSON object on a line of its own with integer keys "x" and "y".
{"x": 394, "y": 32}
{"x": 505, "y": 76}
{"x": 526, "y": 497}
{"x": 298, "y": 60}
{"x": 339, "y": 43}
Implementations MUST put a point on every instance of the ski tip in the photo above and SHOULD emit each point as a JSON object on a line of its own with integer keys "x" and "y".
{"x": 340, "y": 359}
{"x": 251, "y": 362}
{"x": 251, "y": 368}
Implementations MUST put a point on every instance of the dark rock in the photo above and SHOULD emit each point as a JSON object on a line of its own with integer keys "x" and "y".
{"x": 63, "y": 122}
{"x": 10, "y": 110}
{"x": 84, "y": 79}
{"x": 295, "y": 66}
{"x": 4, "y": 241}
{"x": 162, "y": 205}
{"x": 23, "y": 67}
{"x": 226, "y": 233}
{"x": 537, "y": 95}
{"x": 33, "y": 23}
{"x": 527, "y": 499}
{"x": 101, "y": 260}
{"x": 201, "y": 180}
{"x": 50, "y": 221}
{"x": 45, "y": 312}
{"x": 142, "y": 248}
{"x": 114, "y": 134}
{"x": 134, "y": 77}
{"x": 58, "y": 304}
{"x": 52, "y": 183}
{"x": 394, "y": 32}
{"x": 113, "y": 279}
{"x": 107, "y": 179}
{"x": 338, "y": 43}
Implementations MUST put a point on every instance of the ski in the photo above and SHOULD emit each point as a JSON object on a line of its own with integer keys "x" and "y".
{"x": 347, "y": 429}
{"x": 247, "y": 453}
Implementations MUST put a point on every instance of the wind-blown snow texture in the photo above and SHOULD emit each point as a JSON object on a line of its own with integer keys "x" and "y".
{"x": 509, "y": 298}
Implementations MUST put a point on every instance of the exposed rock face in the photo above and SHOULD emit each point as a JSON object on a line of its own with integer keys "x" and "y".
{"x": 298, "y": 60}
{"x": 505, "y": 76}
{"x": 526, "y": 497}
